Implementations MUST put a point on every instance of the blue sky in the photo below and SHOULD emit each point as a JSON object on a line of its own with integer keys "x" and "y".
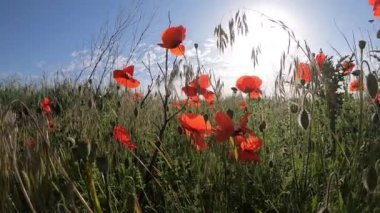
{"x": 41, "y": 35}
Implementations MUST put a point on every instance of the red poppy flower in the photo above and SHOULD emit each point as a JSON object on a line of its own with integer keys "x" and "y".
{"x": 251, "y": 143}
{"x": 355, "y": 86}
{"x": 178, "y": 51}
{"x": 172, "y": 37}
{"x": 251, "y": 85}
{"x": 320, "y": 58}
{"x": 303, "y": 72}
{"x": 121, "y": 135}
{"x": 199, "y": 87}
{"x": 347, "y": 67}
{"x": 46, "y": 105}
{"x": 197, "y": 128}
{"x": 226, "y": 127}
{"x": 125, "y": 77}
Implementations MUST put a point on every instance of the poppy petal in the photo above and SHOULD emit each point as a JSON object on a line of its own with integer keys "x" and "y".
{"x": 178, "y": 51}
{"x": 225, "y": 126}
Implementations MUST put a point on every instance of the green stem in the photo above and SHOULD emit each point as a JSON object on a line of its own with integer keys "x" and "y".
{"x": 92, "y": 190}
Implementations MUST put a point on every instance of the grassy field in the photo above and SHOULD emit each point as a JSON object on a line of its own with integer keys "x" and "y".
{"x": 316, "y": 144}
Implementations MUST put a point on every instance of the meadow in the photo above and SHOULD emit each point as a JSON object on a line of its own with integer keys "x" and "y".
{"x": 312, "y": 146}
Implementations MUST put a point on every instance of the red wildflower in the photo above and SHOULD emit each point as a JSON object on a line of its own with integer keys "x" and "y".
{"x": 121, "y": 135}
{"x": 376, "y": 7}
{"x": 356, "y": 86}
{"x": 199, "y": 87}
{"x": 178, "y": 51}
{"x": 46, "y": 105}
{"x": 303, "y": 72}
{"x": 226, "y": 127}
{"x": 125, "y": 77}
{"x": 347, "y": 67}
{"x": 172, "y": 37}
{"x": 320, "y": 58}
{"x": 251, "y": 85}
{"x": 197, "y": 128}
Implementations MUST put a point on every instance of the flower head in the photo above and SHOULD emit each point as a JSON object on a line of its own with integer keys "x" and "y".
{"x": 320, "y": 58}
{"x": 121, "y": 135}
{"x": 199, "y": 87}
{"x": 251, "y": 85}
{"x": 356, "y": 86}
{"x": 125, "y": 77}
{"x": 196, "y": 126}
{"x": 303, "y": 72}
{"x": 347, "y": 67}
{"x": 46, "y": 105}
{"x": 172, "y": 37}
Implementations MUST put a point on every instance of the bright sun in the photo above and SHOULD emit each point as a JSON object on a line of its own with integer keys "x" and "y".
{"x": 271, "y": 39}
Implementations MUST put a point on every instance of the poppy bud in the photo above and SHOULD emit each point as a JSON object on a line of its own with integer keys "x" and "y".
{"x": 135, "y": 112}
{"x": 179, "y": 130}
{"x": 90, "y": 81}
{"x": 117, "y": 87}
{"x": 304, "y": 119}
{"x": 372, "y": 85}
{"x": 196, "y": 45}
{"x": 271, "y": 164}
{"x": 370, "y": 181}
{"x": 302, "y": 82}
{"x": 262, "y": 126}
{"x": 362, "y": 44}
{"x": 234, "y": 90}
{"x": 230, "y": 113}
{"x": 205, "y": 117}
{"x": 294, "y": 108}
{"x": 378, "y": 34}
{"x": 356, "y": 72}
{"x": 118, "y": 104}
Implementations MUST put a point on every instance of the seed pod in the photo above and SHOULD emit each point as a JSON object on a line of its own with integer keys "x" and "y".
{"x": 262, "y": 126}
{"x": 294, "y": 108}
{"x": 372, "y": 85}
{"x": 196, "y": 45}
{"x": 271, "y": 164}
{"x": 378, "y": 34}
{"x": 356, "y": 72}
{"x": 304, "y": 119}
{"x": 135, "y": 112}
{"x": 370, "y": 181}
{"x": 362, "y": 44}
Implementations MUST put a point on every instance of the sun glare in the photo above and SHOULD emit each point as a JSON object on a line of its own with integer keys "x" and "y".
{"x": 272, "y": 41}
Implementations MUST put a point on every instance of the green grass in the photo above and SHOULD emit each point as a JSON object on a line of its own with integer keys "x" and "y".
{"x": 59, "y": 171}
